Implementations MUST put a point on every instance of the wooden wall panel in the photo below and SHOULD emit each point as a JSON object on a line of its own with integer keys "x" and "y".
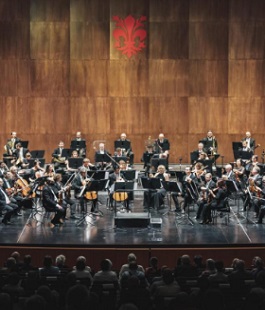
{"x": 89, "y": 40}
{"x": 121, "y": 108}
{"x": 49, "y": 40}
{"x": 245, "y": 10}
{"x": 8, "y": 81}
{"x": 168, "y": 10}
{"x": 246, "y": 40}
{"x": 49, "y": 78}
{"x": 128, "y": 78}
{"x": 246, "y": 113}
{"x": 15, "y": 10}
{"x": 246, "y": 78}
{"x": 208, "y": 40}
{"x": 89, "y": 10}
{"x": 174, "y": 118}
{"x": 168, "y": 78}
{"x": 168, "y": 40}
{"x": 90, "y": 115}
{"x": 209, "y": 10}
{"x": 205, "y": 114}
{"x": 208, "y": 78}
{"x": 125, "y": 8}
{"x": 50, "y": 10}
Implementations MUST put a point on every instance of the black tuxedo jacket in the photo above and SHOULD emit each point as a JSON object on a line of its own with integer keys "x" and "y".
{"x": 164, "y": 146}
{"x": 48, "y": 199}
{"x": 251, "y": 143}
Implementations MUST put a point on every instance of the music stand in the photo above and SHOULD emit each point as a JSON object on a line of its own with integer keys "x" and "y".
{"x": 180, "y": 175}
{"x": 31, "y": 162}
{"x": 122, "y": 144}
{"x": 102, "y": 158}
{"x": 98, "y": 174}
{"x": 246, "y": 155}
{"x": 151, "y": 185}
{"x": 155, "y": 162}
{"x": 147, "y": 161}
{"x": 233, "y": 189}
{"x": 194, "y": 157}
{"x": 122, "y": 187}
{"x": 171, "y": 187}
{"x": 93, "y": 186}
{"x": 129, "y": 175}
{"x": 115, "y": 160}
{"x": 75, "y": 162}
{"x": 77, "y": 145}
{"x": 67, "y": 153}
{"x": 36, "y": 210}
{"x": 24, "y": 144}
{"x": 37, "y": 153}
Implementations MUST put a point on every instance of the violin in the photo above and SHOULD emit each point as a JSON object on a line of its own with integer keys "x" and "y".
{"x": 253, "y": 188}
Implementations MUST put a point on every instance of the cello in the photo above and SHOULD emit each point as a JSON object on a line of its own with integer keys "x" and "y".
{"x": 24, "y": 186}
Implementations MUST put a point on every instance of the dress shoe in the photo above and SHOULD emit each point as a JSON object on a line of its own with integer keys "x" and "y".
{"x": 203, "y": 223}
{"x": 258, "y": 222}
{"x": 18, "y": 214}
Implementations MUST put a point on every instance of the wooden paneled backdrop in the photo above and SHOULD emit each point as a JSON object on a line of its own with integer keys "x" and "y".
{"x": 203, "y": 68}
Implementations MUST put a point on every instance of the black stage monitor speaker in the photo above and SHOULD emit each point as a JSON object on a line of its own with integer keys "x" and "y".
{"x": 122, "y": 220}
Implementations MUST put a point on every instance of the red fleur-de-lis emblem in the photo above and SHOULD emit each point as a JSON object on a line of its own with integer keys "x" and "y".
{"x": 129, "y": 34}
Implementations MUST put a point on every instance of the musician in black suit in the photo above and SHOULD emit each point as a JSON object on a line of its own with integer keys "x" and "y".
{"x": 57, "y": 158}
{"x": 250, "y": 141}
{"x": 20, "y": 154}
{"x": 162, "y": 146}
{"x": 102, "y": 151}
{"x": 64, "y": 193}
{"x": 218, "y": 200}
{"x": 10, "y": 146}
{"x": 6, "y": 205}
{"x": 190, "y": 189}
{"x": 209, "y": 185}
{"x": 154, "y": 198}
{"x": 210, "y": 143}
{"x": 79, "y": 185}
{"x": 79, "y": 144}
{"x": 126, "y": 147}
{"x": 51, "y": 203}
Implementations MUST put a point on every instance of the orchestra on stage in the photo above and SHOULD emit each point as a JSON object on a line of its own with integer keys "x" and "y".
{"x": 72, "y": 180}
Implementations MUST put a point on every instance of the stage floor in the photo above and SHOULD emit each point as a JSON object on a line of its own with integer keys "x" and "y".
{"x": 100, "y": 231}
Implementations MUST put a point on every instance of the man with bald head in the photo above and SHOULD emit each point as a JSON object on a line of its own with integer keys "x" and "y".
{"x": 125, "y": 146}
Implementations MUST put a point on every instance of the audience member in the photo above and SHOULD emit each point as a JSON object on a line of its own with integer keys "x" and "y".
{"x": 152, "y": 271}
{"x": 185, "y": 269}
{"x": 48, "y": 268}
{"x": 106, "y": 274}
{"x": 131, "y": 258}
{"x": 219, "y": 276}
